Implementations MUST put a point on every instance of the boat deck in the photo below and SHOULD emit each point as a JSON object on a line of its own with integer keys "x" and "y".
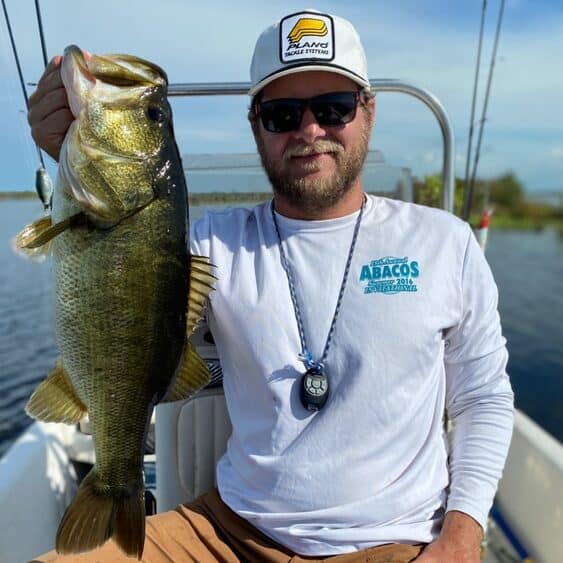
{"x": 499, "y": 549}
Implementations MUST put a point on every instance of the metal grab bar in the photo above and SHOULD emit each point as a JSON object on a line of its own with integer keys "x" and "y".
{"x": 378, "y": 85}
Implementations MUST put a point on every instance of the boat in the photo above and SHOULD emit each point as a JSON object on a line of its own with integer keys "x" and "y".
{"x": 40, "y": 473}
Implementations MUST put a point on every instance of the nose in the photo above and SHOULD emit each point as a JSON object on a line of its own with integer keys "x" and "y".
{"x": 309, "y": 130}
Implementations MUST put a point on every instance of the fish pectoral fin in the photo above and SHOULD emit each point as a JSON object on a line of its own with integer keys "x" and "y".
{"x": 55, "y": 399}
{"x": 201, "y": 285}
{"x": 192, "y": 375}
{"x": 42, "y": 231}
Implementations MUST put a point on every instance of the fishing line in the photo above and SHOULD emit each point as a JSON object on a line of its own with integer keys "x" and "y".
{"x": 43, "y": 183}
{"x": 20, "y": 74}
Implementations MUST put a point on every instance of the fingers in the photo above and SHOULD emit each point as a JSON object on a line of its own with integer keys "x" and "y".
{"x": 49, "y": 81}
{"x": 49, "y": 102}
{"x": 49, "y": 115}
{"x": 51, "y": 77}
{"x": 50, "y": 132}
{"x": 54, "y": 64}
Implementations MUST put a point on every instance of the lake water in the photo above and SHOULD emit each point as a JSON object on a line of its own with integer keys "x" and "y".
{"x": 528, "y": 268}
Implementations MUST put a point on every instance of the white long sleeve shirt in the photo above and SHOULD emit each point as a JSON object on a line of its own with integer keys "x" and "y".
{"x": 418, "y": 331}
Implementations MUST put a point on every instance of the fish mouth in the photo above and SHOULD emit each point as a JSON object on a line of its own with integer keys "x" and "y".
{"x": 75, "y": 57}
{"x": 123, "y": 78}
{"x": 127, "y": 71}
{"x": 76, "y": 77}
{"x": 115, "y": 70}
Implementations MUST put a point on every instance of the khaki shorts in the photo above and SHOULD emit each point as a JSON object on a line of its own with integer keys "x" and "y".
{"x": 207, "y": 530}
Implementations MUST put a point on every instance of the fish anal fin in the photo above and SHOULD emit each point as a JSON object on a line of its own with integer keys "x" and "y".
{"x": 55, "y": 399}
{"x": 193, "y": 374}
{"x": 201, "y": 285}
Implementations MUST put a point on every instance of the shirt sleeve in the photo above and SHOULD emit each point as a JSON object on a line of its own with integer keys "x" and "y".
{"x": 200, "y": 236}
{"x": 479, "y": 398}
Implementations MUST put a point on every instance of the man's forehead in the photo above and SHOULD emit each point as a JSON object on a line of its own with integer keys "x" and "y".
{"x": 307, "y": 84}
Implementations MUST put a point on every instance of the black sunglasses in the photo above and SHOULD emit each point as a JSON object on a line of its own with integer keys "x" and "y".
{"x": 285, "y": 114}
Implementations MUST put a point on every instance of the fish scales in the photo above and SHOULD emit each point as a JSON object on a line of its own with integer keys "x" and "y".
{"x": 119, "y": 240}
{"x": 120, "y": 322}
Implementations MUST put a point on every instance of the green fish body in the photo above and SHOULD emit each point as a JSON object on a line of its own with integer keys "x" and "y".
{"x": 127, "y": 290}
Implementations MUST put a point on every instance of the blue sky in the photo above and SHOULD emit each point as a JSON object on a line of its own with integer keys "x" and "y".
{"x": 430, "y": 43}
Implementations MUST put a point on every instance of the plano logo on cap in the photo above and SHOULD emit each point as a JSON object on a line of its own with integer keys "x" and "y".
{"x": 307, "y": 26}
{"x": 306, "y": 36}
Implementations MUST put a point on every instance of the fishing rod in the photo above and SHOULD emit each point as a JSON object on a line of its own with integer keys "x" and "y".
{"x": 467, "y": 196}
{"x": 485, "y": 105}
{"x": 41, "y": 34}
{"x": 43, "y": 183}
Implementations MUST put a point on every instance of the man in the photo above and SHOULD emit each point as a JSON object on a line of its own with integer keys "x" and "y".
{"x": 345, "y": 324}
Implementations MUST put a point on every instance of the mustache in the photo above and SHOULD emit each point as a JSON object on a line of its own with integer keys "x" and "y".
{"x": 318, "y": 147}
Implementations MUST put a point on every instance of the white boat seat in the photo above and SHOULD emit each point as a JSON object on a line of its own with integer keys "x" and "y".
{"x": 191, "y": 436}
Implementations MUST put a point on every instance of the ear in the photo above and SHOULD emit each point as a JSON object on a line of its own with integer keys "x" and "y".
{"x": 371, "y": 109}
{"x": 253, "y": 120}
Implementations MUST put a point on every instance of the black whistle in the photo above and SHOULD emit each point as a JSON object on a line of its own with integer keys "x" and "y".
{"x": 314, "y": 389}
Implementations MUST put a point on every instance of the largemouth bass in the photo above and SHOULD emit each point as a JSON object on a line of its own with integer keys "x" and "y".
{"x": 128, "y": 293}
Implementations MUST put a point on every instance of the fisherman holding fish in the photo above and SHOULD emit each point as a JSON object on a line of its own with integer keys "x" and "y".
{"x": 346, "y": 325}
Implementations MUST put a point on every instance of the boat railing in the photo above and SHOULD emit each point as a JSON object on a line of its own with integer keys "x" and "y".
{"x": 377, "y": 85}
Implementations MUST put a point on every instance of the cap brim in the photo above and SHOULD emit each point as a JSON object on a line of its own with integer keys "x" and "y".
{"x": 308, "y": 68}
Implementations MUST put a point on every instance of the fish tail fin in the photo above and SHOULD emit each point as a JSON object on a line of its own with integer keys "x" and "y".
{"x": 97, "y": 513}
{"x": 129, "y": 532}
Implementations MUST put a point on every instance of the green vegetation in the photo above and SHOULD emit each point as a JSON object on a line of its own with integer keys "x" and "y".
{"x": 228, "y": 197}
{"x": 504, "y": 194}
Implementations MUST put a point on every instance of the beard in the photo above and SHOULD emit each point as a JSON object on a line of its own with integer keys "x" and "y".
{"x": 304, "y": 191}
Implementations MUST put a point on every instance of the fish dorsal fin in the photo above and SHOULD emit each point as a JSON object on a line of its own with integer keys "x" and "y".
{"x": 201, "y": 285}
{"x": 193, "y": 374}
{"x": 42, "y": 231}
{"x": 55, "y": 399}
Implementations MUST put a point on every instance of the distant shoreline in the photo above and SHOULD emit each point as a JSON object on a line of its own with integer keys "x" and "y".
{"x": 195, "y": 198}
{"x": 17, "y": 195}
{"x": 500, "y": 222}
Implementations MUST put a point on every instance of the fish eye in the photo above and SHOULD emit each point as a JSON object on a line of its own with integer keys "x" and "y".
{"x": 154, "y": 113}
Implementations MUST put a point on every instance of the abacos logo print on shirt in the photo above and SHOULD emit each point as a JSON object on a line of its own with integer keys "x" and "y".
{"x": 390, "y": 275}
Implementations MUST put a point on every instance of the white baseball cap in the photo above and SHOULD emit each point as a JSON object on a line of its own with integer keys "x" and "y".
{"x": 304, "y": 41}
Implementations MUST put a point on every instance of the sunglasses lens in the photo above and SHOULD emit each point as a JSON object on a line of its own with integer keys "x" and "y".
{"x": 334, "y": 109}
{"x": 331, "y": 110}
{"x": 281, "y": 116}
